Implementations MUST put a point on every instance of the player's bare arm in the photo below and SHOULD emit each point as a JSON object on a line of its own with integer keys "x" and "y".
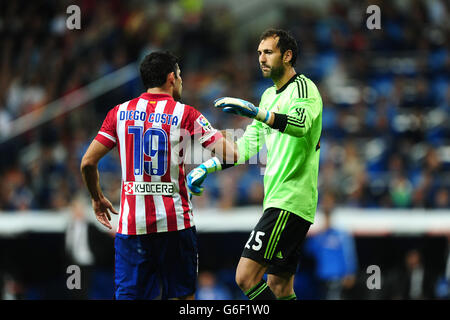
{"x": 226, "y": 155}
{"x": 225, "y": 149}
{"x": 89, "y": 171}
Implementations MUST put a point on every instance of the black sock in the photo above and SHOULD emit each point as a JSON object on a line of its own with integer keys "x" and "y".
{"x": 260, "y": 292}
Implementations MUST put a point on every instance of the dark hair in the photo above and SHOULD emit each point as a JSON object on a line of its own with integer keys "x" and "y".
{"x": 156, "y": 66}
{"x": 285, "y": 42}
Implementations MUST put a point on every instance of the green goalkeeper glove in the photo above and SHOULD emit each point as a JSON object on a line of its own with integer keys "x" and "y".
{"x": 242, "y": 108}
{"x": 196, "y": 177}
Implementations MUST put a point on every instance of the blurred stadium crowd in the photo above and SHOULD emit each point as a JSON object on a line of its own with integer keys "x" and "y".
{"x": 386, "y": 93}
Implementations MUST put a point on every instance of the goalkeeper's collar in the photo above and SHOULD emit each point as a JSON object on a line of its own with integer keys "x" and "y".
{"x": 287, "y": 83}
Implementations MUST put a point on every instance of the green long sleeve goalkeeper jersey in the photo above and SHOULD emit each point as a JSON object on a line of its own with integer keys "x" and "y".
{"x": 292, "y": 168}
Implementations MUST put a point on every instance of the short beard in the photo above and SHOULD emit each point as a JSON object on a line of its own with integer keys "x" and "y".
{"x": 276, "y": 73}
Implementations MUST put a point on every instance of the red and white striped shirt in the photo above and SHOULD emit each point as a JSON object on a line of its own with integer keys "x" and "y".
{"x": 150, "y": 132}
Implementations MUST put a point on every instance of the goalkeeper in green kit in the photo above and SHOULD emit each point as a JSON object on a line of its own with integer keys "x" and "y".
{"x": 289, "y": 121}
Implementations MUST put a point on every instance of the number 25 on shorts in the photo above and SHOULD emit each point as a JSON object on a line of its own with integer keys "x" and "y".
{"x": 258, "y": 240}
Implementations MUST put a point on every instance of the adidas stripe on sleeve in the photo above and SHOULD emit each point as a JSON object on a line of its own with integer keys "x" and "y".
{"x": 303, "y": 110}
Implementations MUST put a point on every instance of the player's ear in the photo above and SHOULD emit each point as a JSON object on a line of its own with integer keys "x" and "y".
{"x": 287, "y": 56}
{"x": 171, "y": 78}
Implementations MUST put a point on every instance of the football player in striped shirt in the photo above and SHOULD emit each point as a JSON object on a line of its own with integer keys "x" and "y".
{"x": 155, "y": 243}
{"x": 288, "y": 121}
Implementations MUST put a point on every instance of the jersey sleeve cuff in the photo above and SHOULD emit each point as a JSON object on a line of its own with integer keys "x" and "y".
{"x": 211, "y": 139}
{"x": 279, "y": 121}
{"x": 106, "y": 139}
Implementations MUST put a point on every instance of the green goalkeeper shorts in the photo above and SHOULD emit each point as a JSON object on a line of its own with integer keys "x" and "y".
{"x": 277, "y": 240}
